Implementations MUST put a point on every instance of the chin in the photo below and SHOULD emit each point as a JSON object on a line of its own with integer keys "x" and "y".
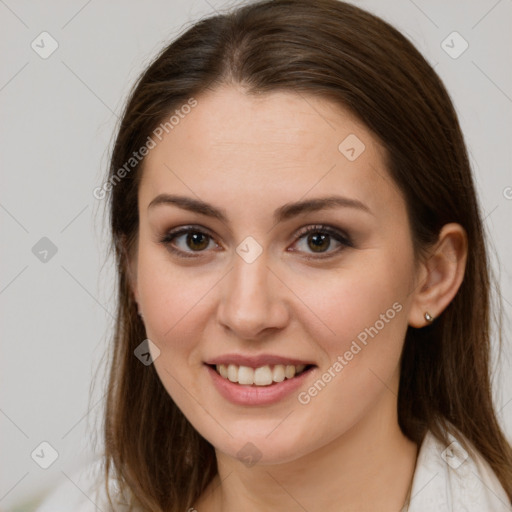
{"x": 265, "y": 446}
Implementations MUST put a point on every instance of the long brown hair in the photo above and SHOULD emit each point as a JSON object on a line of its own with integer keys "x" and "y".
{"x": 341, "y": 53}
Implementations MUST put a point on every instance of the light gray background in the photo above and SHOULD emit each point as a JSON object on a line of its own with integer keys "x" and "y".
{"x": 58, "y": 119}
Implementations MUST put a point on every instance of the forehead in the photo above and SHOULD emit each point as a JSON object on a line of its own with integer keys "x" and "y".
{"x": 257, "y": 147}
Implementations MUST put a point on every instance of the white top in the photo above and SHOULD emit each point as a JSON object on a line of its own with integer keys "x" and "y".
{"x": 446, "y": 479}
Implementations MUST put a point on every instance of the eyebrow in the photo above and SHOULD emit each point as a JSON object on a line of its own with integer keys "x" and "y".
{"x": 285, "y": 212}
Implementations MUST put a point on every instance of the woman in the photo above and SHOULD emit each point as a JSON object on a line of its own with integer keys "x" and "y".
{"x": 303, "y": 319}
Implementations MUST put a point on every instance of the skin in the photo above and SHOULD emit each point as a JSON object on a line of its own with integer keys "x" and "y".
{"x": 248, "y": 155}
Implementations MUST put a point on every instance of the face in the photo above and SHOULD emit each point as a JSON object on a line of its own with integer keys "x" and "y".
{"x": 279, "y": 316}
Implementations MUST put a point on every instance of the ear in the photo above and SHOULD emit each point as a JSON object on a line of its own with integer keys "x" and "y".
{"x": 440, "y": 275}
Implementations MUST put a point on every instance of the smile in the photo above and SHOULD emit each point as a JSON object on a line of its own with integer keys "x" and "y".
{"x": 261, "y": 376}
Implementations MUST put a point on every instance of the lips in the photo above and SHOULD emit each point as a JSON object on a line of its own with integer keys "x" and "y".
{"x": 256, "y": 394}
{"x": 263, "y": 371}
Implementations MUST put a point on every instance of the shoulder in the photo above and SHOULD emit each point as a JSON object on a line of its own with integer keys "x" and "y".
{"x": 447, "y": 477}
{"x": 80, "y": 491}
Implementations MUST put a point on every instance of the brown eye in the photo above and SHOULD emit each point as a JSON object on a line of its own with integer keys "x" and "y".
{"x": 197, "y": 241}
{"x": 319, "y": 239}
{"x": 319, "y": 242}
{"x": 187, "y": 241}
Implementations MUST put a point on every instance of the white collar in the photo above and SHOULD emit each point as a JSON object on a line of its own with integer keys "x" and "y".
{"x": 447, "y": 478}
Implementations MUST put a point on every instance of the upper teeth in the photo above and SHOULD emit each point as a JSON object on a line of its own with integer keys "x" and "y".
{"x": 262, "y": 376}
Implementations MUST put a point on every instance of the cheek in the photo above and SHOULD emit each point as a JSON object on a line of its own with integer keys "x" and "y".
{"x": 364, "y": 301}
{"x": 171, "y": 304}
{"x": 365, "y": 309}
{"x": 168, "y": 295}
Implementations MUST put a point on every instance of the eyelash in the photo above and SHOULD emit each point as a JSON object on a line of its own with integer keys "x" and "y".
{"x": 337, "y": 235}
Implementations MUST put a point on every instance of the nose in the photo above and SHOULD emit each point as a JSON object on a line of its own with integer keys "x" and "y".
{"x": 253, "y": 300}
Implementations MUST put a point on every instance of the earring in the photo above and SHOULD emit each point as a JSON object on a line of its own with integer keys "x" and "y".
{"x": 428, "y": 317}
